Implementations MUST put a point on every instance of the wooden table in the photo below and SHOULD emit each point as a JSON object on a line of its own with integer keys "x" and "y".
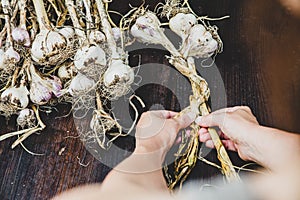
{"x": 260, "y": 67}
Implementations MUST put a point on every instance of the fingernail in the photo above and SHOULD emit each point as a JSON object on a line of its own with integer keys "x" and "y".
{"x": 192, "y": 115}
{"x": 198, "y": 119}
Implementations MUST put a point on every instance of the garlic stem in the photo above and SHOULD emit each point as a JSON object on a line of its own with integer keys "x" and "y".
{"x": 41, "y": 15}
{"x": 8, "y": 135}
{"x": 22, "y": 7}
{"x": 25, "y": 136}
{"x": 6, "y": 9}
{"x": 89, "y": 19}
{"x": 75, "y": 20}
{"x": 107, "y": 30}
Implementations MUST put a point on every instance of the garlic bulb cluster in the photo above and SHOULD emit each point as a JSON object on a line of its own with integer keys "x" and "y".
{"x": 80, "y": 84}
{"x": 42, "y": 89}
{"x": 90, "y": 60}
{"x": 16, "y": 96}
{"x": 26, "y": 118}
{"x": 49, "y": 47}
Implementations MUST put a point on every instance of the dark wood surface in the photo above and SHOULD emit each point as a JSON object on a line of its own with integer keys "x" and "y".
{"x": 260, "y": 67}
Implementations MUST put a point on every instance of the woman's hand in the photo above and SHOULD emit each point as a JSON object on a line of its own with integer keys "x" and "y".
{"x": 241, "y": 132}
{"x": 157, "y": 130}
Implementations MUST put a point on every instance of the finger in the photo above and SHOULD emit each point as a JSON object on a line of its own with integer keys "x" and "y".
{"x": 203, "y": 131}
{"x": 223, "y": 135}
{"x": 228, "y": 144}
{"x": 213, "y": 119}
{"x": 209, "y": 144}
{"x": 185, "y": 120}
{"x": 166, "y": 114}
{"x": 204, "y": 137}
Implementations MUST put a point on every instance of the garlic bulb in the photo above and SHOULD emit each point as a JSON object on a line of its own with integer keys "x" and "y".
{"x": 96, "y": 37}
{"x": 11, "y": 56}
{"x": 66, "y": 71}
{"x": 48, "y": 48}
{"x": 21, "y": 36}
{"x": 16, "y": 96}
{"x": 182, "y": 23}
{"x": 42, "y": 88}
{"x": 200, "y": 43}
{"x": 90, "y": 60}
{"x": 118, "y": 72}
{"x": 80, "y": 84}
{"x": 68, "y": 33}
{"x": 26, "y": 118}
{"x": 147, "y": 29}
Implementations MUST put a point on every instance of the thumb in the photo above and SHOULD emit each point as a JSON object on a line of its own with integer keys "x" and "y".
{"x": 185, "y": 120}
{"x": 213, "y": 119}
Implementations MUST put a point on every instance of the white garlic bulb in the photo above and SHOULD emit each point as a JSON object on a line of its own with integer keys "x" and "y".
{"x": 16, "y": 96}
{"x": 11, "y": 56}
{"x": 80, "y": 84}
{"x": 147, "y": 29}
{"x": 21, "y": 36}
{"x": 118, "y": 72}
{"x": 90, "y": 60}
{"x": 200, "y": 43}
{"x": 49, "y": 47}
{"x": 42, "y": 88}
{"x": 66, "y": 70}
{"x": 26, "y": 118}
{"x": 68, "y": 33}
{"x": 182, "y": 23}
{"x": 96, "y": 37}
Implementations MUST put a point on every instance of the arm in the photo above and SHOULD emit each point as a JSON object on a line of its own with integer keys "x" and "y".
{"x": 140, "y": 175}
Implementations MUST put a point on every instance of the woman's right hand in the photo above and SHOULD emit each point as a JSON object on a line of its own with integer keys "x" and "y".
{"x": 241, "y": 132}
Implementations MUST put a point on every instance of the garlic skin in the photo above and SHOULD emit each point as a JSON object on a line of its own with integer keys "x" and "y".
{"x": 80, "y": 84}
{"x": 90, "y": 60}
{"x": 16, "y": 96}
{"x": 11, "y": 56}
{"x": 49, "y": 47}
{"x": 21, "y": 36}
{"x": 66, "y": 71}
{"x": 26, "y": 118}
{"x": 2, "y": 59}
{"x": 42, "y": 89}
{"x": 68, "y": 33}
{"x": 116, "y": 33}
{"x": 200, "y": 43}
{"x": 182, "y": 23}
{"x": 96, "y": 37}
{"x": 118, "y": 72}
{"x": 147, "y": 29}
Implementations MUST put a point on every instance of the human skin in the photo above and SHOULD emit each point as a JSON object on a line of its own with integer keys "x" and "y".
{"x": 292, "y": 6}
{"x": 140, "y": 175}
{"x": 269, "y": 147}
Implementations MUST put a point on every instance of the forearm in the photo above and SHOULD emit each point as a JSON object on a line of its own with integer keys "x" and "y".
{"x": 276, "y": 148}
{"x": 140, "y": 171}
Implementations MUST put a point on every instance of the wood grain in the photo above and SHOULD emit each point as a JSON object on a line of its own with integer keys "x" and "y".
{"x": 260, "y": 67}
